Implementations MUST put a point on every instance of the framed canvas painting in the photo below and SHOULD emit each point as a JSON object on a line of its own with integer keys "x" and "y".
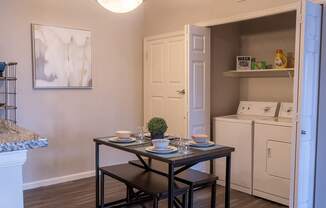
{"x": 61, "y": 57}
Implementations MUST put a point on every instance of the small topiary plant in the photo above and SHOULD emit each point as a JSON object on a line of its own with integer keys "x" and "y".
{"x": 157, "y": 127}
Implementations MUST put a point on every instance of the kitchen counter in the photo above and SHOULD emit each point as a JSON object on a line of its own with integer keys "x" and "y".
{"x": 15, "y": 141}
{"x": 15, "y": 138}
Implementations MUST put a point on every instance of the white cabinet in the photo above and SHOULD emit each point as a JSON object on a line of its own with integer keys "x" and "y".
{"x": 11, "y": 179}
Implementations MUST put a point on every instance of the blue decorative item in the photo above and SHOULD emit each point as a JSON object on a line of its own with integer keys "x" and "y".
{"x": 2, "y": 67}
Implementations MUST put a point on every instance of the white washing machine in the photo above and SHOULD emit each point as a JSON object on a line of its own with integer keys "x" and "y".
{"x": 238, "y": 131}
{"x": 272, "y": 156}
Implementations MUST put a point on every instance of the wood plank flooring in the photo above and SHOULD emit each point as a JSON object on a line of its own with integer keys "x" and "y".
{"x": 81, "y": 194}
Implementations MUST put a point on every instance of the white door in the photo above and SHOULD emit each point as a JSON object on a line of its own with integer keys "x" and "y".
{"x": 198, "y": 69}
{"x": 164, "y": 81}
{"x": 307, "y": 103}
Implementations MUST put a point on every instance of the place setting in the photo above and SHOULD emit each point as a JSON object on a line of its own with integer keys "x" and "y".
{"x": 122, "y": 137}
{"x": 161, "y": 146}
{"x": 170, "y": 148}
{"x": 180, "y": 145}
{"x": 201, "y": 141}
{"x": 127, "y": 138}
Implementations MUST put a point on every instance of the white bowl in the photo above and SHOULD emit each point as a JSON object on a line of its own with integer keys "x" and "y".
{"x": 200, "y": 138}
{"x": 123, "y": 134}
{"x": 160, "y": 143}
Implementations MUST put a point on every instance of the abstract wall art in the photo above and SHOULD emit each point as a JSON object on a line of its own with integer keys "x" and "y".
{"x": 62, "y": 57}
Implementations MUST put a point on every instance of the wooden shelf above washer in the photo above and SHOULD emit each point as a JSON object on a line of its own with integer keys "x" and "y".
{"x": 288, "y": 72}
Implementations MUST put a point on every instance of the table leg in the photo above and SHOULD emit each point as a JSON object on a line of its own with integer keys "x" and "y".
{"x": 149, "y": 162}
{"x": 211, "y": 166}
{"x": 171, "y": 186}
{"x": 213, "y": 196}
{"x": 228, "y": 181}
{"x": 102, "y": 190}
{"x": 97, "y": 166}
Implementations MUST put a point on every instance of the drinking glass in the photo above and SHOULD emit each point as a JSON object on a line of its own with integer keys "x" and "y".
{"x": 186, "y": 144}
{"x": 179, "y": 144}
{"x": 183, "y": 145}
{"x": 141, "y": 134}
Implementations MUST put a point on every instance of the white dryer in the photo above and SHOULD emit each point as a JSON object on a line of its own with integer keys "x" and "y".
{"x": 272, "y": 156}
{"x": 237, "y": 131}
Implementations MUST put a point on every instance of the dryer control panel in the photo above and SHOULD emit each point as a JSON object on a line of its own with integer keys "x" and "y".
{"x": 286, "y": 110}
{"x": 257, "y": 108}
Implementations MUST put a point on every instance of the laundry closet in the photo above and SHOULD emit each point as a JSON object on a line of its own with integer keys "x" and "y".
{"x": 191, "y": 79}
{"x": 252, "y": 109}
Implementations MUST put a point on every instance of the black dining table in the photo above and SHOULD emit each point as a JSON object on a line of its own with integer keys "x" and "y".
{"x": 177, "y": 162}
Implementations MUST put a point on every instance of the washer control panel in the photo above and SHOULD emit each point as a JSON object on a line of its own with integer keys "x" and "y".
{"x": 257, "y": 108}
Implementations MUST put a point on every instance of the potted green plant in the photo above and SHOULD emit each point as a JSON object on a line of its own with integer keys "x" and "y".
{"x": 157, "y": 127}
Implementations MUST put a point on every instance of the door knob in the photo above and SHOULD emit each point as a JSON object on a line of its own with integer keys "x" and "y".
{"x": 182, "y": 92}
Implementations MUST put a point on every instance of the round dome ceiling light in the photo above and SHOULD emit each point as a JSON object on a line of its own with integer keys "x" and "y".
{"x": 120, "y": 6}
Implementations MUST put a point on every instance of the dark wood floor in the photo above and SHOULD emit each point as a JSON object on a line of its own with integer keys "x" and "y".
{"x": 81, "y": 194}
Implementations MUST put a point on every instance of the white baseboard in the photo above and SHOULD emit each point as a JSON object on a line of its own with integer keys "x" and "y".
{"x": 56, "y": 180}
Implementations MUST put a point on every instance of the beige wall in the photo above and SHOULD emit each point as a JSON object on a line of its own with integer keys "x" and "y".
{"x": 71, "y": 118}
{"x": 267, "y": 89}
{"x": 260, "y": 38}
{"x": 225, "y": 91}
{"x": 171, "y": 15}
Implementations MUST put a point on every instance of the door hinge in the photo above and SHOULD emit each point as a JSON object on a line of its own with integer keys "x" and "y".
{"x": 300, "y": 18}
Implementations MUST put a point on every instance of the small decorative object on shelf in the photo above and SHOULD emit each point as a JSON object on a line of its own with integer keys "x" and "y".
{"x": 8, "y": 91}
{"x": 2, "y": 67}
{"x": 280, "y": 61}
{"x": 259, "y": 64}
{"x": 157, "y": 127}
{"x": 243, "y": 62}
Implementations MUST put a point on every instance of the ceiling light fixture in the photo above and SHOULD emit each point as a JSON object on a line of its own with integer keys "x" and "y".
{"x": 120, "y": 6}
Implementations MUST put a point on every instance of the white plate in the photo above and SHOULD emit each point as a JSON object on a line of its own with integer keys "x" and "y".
{"x": 124, "y": 140}
{"x": 161, "y": 149}
{"x": 170, "y": 149}
{"x": 195, "y": 144}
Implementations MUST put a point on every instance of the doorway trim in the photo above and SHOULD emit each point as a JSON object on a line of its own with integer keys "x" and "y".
{"x": 252, "y": 15}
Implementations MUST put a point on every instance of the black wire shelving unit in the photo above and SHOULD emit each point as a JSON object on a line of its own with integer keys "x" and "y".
{"x": 8, "y": 79}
